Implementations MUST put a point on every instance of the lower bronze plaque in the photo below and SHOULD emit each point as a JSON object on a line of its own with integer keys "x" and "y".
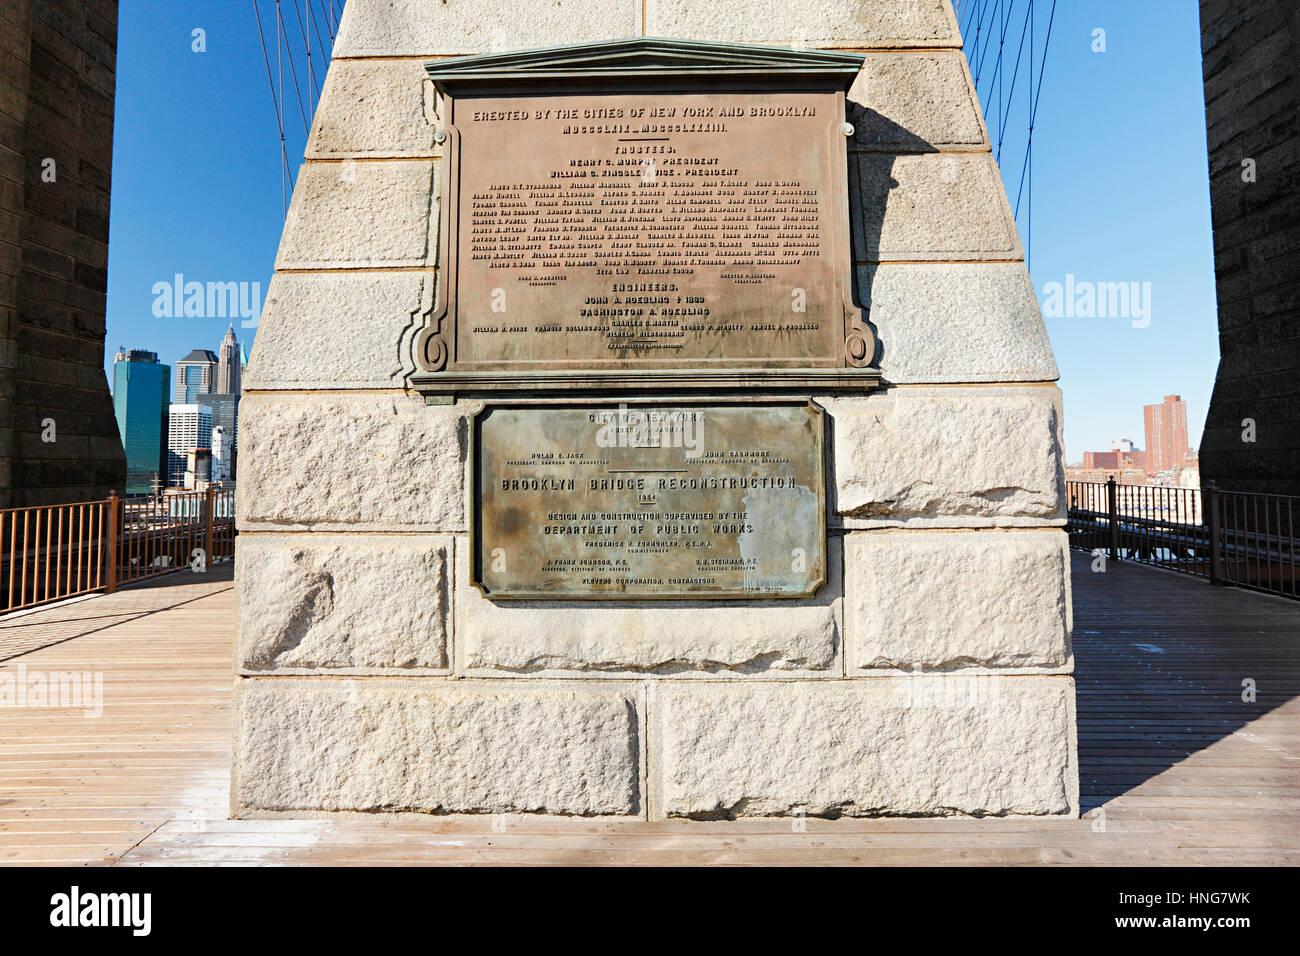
{"x": 645, "y": 500}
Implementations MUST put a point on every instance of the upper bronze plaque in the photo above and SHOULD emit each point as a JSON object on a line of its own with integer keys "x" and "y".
{"x": 642, "y": 213}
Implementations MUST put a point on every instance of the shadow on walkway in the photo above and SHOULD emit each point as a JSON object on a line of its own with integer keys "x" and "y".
{"x": 27, "y": 631}
{"x": 1162, "y": 662}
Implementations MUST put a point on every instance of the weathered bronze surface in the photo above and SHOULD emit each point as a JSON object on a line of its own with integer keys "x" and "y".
{"x": 647, "y": 499}
{"x": 684, "y": 210}
{"x": 676, "y": 228}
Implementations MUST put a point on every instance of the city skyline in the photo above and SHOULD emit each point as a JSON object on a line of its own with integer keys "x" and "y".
{"x": 1165, "y": 433}
{"x": 163, "y": 422}
{"x": 145, "y": 347}
{"x": 1095, "y": 218}
{"x": 1167, "y": 451}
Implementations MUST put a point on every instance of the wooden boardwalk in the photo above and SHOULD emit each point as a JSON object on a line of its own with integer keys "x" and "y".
{"x": 1176, "y": 767}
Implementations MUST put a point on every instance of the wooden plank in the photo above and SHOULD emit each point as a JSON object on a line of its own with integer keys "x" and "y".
{"x": 1184, "y": 770}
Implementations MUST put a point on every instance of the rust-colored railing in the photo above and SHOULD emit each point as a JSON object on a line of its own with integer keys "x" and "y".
{"x": 53, "y": 552}
{"x": 1227, "y": 537}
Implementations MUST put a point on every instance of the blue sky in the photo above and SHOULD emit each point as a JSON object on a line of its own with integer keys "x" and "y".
{"x": 1120, "y": 189}
{"x": 196, "y": 167}
{"x": 1121, "y": 194}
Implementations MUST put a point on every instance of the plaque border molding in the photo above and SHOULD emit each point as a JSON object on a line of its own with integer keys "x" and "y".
{"x": 639, "y": 64}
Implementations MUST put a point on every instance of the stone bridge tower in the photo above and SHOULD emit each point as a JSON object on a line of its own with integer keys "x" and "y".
{"x": 59, "y": 441}
{"x": 930, "y": 674}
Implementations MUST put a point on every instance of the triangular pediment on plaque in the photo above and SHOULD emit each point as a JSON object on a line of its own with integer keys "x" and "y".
{"x": 644, "y": 57}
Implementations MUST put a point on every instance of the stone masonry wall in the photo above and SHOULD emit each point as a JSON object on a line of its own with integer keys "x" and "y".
{"x": 930, "y": 675}
{"x": 57, "y": 83}
{"x": 1252, "y": 100}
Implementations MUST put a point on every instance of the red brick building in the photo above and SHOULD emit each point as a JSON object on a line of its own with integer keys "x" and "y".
{"x": 1166, "y": 426}
{"x": 1121, "y": 457}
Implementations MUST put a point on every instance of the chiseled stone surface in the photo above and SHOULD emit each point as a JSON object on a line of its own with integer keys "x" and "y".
{"x": 936, "y": 745}
{"x": 442, "y": 27}
{"x": 532, "y": 638}
{"x": 948, "y": 457}
{"x": 915, "y": 101}
{"x": 350, "y": 462}
{"x": 360, "y": 214}
{"x": 436, "y": 746}
{"x": 930, "y": 206}
{"x": 334, "y": 330}
{"x": 750, "y": 712}
{"x": 957, "y": 322}
{"x": 360, "y": 602}
{"x": 816, "y": 23}
{"x": 951, "y": 600}
{"x": 372, "y": 109}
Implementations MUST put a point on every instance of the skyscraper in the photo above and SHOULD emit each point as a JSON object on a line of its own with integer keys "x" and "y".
{"x": 1166, "y": 426}
{"x": 228, "y": 365}
{"x": 221, "y": 464}
{"x": 140, "y": 386}
{"x": 196, "y": 375}
{"x": 225, "y": 414}
{"x": 189, "y": 427}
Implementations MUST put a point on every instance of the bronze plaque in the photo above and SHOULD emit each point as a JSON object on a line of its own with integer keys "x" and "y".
{"x": 648, "y": 499}
{"x": 635, "y": 230}
{"x": 622, "y": 234}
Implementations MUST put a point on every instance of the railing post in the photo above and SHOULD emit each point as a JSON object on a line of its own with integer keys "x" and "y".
{"x": 1212, "y": 512}
{"x": 207, "y": 536}
{"x": 1112, "y": 513}
{"x": 111, "y": 535}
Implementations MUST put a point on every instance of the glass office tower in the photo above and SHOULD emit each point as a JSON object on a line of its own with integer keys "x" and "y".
{"x": 140, "y": 392}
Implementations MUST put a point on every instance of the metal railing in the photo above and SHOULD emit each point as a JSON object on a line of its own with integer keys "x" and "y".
{"x": 1227, "y": 537}
{"x": 52, "y": 552}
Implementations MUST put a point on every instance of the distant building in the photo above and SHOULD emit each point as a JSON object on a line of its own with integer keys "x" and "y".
{"x": 1097, "y": 460}
{"x": 189, "y": 427}
{"x": 1122, "y": 476}
{"x": 229, "y": 366}
{"x": 198, "y": 469}
{"x": 140, "y": 387}
{"x": 222, "y": 466}
{"x": 1166, "y": 426}
{"x": 1122, "y": 457}
{"x": 196, "y": 375}
{"x": 225, "y": 414}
